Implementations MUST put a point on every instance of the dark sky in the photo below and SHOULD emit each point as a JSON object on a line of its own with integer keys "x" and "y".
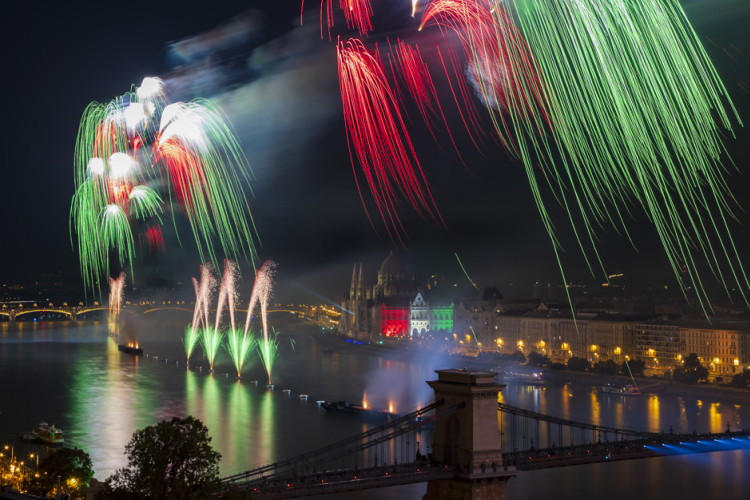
{"x": 288, "y": 116}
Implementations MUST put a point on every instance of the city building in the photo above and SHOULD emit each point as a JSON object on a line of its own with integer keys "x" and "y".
{"x": 394, "y": 305}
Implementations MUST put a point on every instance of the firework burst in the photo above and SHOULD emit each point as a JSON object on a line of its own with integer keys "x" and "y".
{"x": 136, "y": 142}
{"x": 377, "y": 134}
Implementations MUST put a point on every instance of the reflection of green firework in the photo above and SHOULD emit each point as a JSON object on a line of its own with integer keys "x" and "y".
{"x": 211, "y": 342}
{"x": 239, "y": 346}
{"x": 268, "y": 350}
{"x": 192, "y": 339}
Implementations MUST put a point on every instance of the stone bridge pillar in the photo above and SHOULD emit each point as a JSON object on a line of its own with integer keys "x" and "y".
{"x": 469, "y": 439}
{"x": 12, "y": 314}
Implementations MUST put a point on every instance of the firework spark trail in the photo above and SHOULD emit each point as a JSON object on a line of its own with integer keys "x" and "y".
{"x": 357, "y": 14}
{"x": 195, "y": 157}
{"x": 261, "y": 294}
{"x": 155, "y": 239}
{"x": 376, "y": 132}
{"x": 240, "y": 345}
{"x": 466, "y": 274}
{"x": 500, "y": 66}
{"x": 212, "y": 339}
{"x": 418, "y": 82}
{"x": 116, "y": 288}
{"x": 414, "y": 4}
{"x": 227, "y": 293}
{"x": 639, "y": 110}
{"x": 203, "y": 287}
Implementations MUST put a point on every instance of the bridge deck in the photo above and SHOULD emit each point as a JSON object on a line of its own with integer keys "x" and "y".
{"x": 348, "y": 480}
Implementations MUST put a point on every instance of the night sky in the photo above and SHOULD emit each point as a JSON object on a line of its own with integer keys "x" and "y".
{"x": 288, "y": 115}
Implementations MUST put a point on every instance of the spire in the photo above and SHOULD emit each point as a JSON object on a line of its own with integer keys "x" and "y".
{"x": 354, "y": 278}
{"x": 360, "y": 287}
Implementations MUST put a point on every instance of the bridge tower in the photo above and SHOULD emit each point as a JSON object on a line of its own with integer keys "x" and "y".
{"x": 469, "y": 439}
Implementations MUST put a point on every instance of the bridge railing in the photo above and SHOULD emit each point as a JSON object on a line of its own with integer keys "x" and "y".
{"x": 525, "y": 429}
{"x": 373, "y": 447}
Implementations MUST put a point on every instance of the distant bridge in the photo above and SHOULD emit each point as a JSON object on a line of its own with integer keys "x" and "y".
{"x": 456, "y": 445}
{"x": 75, "y": 311}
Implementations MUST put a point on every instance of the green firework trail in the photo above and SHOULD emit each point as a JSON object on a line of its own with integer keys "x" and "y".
{"x": 268, "y": 351}
{"x": 614, "y": 105}
{"x": 240, "y": 345}
{"x": 211, "y": 339}
{"x": 191, "y": 339}
{"x": 136, "y": 143}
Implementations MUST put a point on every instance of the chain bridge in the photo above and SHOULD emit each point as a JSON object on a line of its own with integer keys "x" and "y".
{"x": 465, "y": 445}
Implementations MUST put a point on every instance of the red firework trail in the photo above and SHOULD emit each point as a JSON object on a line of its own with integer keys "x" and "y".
{"x": 376, "y": 132}
{"x": 185, "y": 174}
{"x": 500, "y": 64}
{"x": 356, "y": 12}
{"x": 418, "y": 81}
{"x": 155, "y": 239}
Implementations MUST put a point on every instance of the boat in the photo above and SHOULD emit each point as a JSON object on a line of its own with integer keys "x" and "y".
{"x": 624, "y": 390}
{"x": 303, "y": 396}
{"x": 131, "y": 348}
{"x": 348, "y": 408}
{"x": 28, "y": 437}
{"x": 49, "y": 433}
{"x": 287, "y": 391}
{"x": 535, "y": 377}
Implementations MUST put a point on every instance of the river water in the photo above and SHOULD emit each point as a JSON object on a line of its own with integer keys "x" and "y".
{"x": 71, "y": 374}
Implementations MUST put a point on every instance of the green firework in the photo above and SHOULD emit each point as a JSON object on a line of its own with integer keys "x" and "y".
{"x": 637, "y": 113}
{"x": 191, "y": 340}
{"x": 239, "y": 346}
{"x": 268, "y": 351}
{"x": 128, "y": 147}
{"x": 211, "y": 340}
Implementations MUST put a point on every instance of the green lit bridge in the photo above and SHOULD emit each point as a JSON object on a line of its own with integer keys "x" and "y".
{"x": 73, "y": 312}
{"x": 466, "y": 446}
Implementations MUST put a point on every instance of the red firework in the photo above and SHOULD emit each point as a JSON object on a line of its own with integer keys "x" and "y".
{"x": 356, "y": 12}
{"x": 418, "y": 81}
{"x": 376, "y": 132}
{"x": 155, "y": 239}
{"x": 500, "y": 64}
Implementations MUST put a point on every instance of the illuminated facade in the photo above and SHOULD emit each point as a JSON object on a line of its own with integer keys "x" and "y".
{"x": 392, "y": 306}
{"x": 419, "y": 317}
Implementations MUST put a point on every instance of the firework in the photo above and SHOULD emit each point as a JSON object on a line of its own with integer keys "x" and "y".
{"x": 191, "y": 339}
{"x": 268, "y": 351}
{"x": 414, "y": 4}
{"x": 466, "y": 274}
{"x": 642, "y": 108}
{"x": 627, "y": 96}
{"x": 357, "y": 13}
{"x": 261, "y": 294}
{"x": 239, "y": 345}
{"x": 203, "y": 287}
{"x": 136, "y": 142}
{"x": 376, "y": 132}
{"x": 116, "y": 288}
{"x": 211, "y": 339}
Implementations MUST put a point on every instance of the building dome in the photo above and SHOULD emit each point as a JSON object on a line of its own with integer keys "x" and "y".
{"x": 392, "y": 268}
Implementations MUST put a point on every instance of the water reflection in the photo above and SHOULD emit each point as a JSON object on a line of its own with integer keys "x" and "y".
{"x": 100, "y": 396}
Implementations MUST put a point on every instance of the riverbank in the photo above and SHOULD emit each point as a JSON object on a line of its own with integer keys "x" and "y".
{"x": 650, "y": 384}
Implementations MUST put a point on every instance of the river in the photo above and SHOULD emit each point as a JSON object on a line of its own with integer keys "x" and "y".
{"x": 71, "y": 374}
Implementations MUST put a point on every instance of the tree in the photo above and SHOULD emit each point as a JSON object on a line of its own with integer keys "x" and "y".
{"x": 558, "y": 366}
{"x": 74, "y": 467}
{"x": 636, "y": 367}
{"x": 172, "y": 460}
{"x": 741, "y": 380}
{"x": 516, "y": 357}
{"x": 536, "y": 359}
{"x": 608, "y": 367}
{"x": 691, "y": 370}
{"x": 576, "y": 364}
